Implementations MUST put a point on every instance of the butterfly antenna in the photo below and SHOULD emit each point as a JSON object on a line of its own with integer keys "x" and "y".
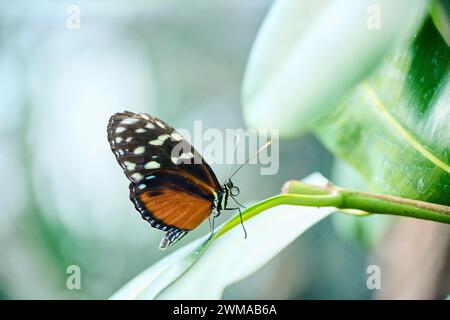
{"x": 234, "y": 154}
{"x": 250, "y": 158}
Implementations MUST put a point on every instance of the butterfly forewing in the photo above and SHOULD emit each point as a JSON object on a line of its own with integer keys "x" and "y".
{"x": 171, "y": 184}
{"x": 143, "y": 144}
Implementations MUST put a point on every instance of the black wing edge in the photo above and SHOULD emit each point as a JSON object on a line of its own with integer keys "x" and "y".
{"x": 173, "y": 234}
{"x": 171, "y": 238}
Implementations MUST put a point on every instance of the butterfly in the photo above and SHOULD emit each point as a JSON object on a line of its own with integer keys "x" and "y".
{"x": 172, "y": 186}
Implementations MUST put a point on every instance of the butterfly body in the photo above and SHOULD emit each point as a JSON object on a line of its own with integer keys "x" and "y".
{"x": 171, "y": 185}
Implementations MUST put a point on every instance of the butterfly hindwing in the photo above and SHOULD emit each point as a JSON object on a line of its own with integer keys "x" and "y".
{"x": 172, "y": 203}
{"x": 171, "y": 238}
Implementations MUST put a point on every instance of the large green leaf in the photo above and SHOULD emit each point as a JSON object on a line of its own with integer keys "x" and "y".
{"x": 440, "y": 13}
{"x": 204, "y": 268}
{"x": 395, "y": 126}
{"x": 309, "y": 53}
{"x": 376, "y": 98}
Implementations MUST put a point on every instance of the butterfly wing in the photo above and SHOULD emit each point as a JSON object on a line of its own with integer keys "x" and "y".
{"x": 172, "y": 203}
{"x": 172, "y": 186}
{"x": 143, "y": 144}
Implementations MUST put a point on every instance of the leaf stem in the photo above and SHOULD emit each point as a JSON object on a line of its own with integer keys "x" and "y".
{"x": 376, "y": 203}
{"x": 356, "y": 203}
{"x": 330, "y": 200}
{"x": 383, "y": 204}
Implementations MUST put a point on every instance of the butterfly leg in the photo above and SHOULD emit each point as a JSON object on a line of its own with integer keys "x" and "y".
{"x": 211, "y": 225}
{"x": 242, "y": 221}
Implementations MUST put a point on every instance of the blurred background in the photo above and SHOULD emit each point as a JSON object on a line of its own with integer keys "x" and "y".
{"x": 64, "y": 200}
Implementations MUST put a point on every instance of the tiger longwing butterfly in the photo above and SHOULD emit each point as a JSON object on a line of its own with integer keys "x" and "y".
{"x": 172, "y": 186}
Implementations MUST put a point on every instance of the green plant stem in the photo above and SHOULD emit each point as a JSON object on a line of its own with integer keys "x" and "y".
{"x": 299, "y": 193}
{"x": 383, "y": 204}
{"x": 289, "y": 199}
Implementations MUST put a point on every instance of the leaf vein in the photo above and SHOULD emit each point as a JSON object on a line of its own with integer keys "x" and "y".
{"x": 402, "y": 131}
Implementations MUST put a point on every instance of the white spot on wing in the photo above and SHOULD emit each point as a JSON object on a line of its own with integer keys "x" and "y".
{"x": 129, "y": 121}
{"x": 150, "y": 126}
{"x": 156, "y": 142}
{"x": 152, "y": 165}
{"x": 140, "y": 130}
{"x": 128, "y": 139}
{"x": 160, "y": 140}
{"x": 144, "y": 116}
{"x": 136, "y": 177}
{"x": 130, "y": 165}
{"x": 188, "y": 155}
{"x": 141, "y": 186}
{"x": 176, "y": 136}
{"x": 120, "y": 129}
{"x": 119, "y": 139}
{"x": 139, "y": 150}
{"x": 160, "y": 124}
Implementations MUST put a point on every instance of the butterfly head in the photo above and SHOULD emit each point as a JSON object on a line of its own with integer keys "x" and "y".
{"x": 229, "y": 186}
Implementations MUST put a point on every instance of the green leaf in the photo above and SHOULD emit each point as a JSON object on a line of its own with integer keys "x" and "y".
{"x": 205, "y": 267}
{"x": 440, "y": 13}
{"x": 308, "y": 54}
{"x": 156, "y": 278}
{"x": 395, "y": 126}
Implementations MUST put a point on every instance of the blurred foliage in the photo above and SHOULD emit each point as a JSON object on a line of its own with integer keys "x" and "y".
{"x": 400, "y": 122}
{"x": 64, "y": 200}
{"x": 394, "y": 126}
{"x": 377, "y": 98}
{"x": 323, "y": 49}
{"x": 387, "y": 149}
